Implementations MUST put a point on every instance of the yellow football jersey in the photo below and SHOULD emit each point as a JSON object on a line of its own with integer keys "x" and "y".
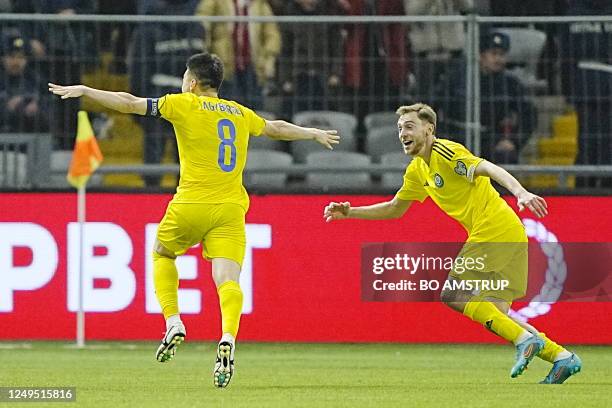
{"x": 449, "y": 181}
{"x": 212, "y": 137}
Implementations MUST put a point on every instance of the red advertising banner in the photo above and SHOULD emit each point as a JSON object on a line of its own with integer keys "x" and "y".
{"x": 301, "y": 276}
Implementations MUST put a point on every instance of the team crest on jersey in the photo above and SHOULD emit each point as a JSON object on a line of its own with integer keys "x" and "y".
{"x": 438, "y": 180}
{"x": 461, "y": 168}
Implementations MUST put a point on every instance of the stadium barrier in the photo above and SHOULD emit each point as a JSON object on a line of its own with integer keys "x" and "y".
{"x": 24, "y": 160}
{"x": 301, "y": 276}
{"x": 560, "y": 85}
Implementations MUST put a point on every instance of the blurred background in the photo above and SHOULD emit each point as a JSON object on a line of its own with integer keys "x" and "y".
{"x": 532, "y": 91}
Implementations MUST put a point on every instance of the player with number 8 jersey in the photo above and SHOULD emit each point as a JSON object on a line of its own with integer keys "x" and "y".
{"x": 210, "y": 203}
{"x": 212, "y": 137}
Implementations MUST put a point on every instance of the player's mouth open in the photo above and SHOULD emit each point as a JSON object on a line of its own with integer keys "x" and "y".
{"x": 407, "y": 143}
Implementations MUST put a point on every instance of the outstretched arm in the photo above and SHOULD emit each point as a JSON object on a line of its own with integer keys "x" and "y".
{"x": 381, "y": 211}
{"x": 281, "y": 130}
{"x": 120, "y": 101}
{"x": 535, "y": 203}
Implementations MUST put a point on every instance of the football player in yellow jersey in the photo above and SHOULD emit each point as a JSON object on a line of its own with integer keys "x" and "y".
{"x": 210, "y": 202}
{"x": 459, "y": 183}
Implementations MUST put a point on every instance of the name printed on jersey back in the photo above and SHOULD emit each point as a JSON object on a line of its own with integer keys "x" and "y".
{"x": 221, "y": 107}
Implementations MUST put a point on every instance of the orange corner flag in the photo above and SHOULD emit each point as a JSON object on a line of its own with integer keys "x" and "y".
{"x": 87, "y": 156}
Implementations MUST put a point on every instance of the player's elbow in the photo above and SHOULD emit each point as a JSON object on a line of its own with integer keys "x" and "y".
{"x": 274, "y": 129}
{"x": 485, "y": 168}
{"x": 397, "y": 208}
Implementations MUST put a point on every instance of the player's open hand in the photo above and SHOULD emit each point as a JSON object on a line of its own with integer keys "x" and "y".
{"x": 327, "y": 138}
{"x": 535, "y": 203}
{"x": 336, "y": 211}
{"x": 70, "y": 91}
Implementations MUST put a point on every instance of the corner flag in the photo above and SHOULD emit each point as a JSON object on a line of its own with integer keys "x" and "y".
{"x": 87, "y": 156}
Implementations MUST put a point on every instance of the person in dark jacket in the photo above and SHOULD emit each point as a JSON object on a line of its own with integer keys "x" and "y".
{"x": 156, "y": 62}
{"x": 64, "y": 50}
{"x": 22, "y": 104}
{"x": 507, "y": 118}
{"x": 587, "y": 83}
{"x": 375, "y": 58}
{"x": 309, "y": 70}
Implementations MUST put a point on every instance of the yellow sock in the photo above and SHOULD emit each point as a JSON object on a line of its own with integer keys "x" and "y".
{"x": 230, "y": 300}
{"x": 165, "y": 279}
{"x": 493, "y": 319}
{"x": 550, "y": 350}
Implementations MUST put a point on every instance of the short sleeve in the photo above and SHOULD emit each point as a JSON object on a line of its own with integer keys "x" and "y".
{"x": 464, "y": 162}
{"x": 256, "y": 123}
{"x": 169, "y": 106}
{"x": 412, "y": 189}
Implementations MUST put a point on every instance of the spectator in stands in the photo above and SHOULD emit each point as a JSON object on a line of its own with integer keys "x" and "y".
{"x": 527, "y": 7}
{"x": 65, "y": 51}
{"x": 114, "y": 37}
{"x": 156, "y": 63}
{"x": 587, "y": 83}
{"x": 375, "y": 58}
{"x": 434, "y": 46}
{"x": 22, "y": 96}
{"x": 547, "y": 67}
{"x": 278, "y": 7}
{"x": 249, "y": 51}
{"x": 506, "y": 117}
{"x": 310, "y": 66}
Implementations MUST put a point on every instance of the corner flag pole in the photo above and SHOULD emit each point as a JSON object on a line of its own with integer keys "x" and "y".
{"x": 81, "y": 217}
{"x": 86, "y": 158}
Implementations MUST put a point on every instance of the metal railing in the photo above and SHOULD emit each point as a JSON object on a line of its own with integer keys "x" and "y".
{"x": 24, "y": 160}
{"x": 550, "y": 89}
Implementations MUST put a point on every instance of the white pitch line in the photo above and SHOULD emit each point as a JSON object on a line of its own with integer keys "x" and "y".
{"x": 13, "y": 346}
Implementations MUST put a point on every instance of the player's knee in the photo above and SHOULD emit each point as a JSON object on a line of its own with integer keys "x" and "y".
{"x": 224, "y": 270}
{"x": 160, "y": 250}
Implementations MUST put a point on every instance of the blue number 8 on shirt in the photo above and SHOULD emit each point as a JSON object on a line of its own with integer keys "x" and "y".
{"x": 226, "y": 142}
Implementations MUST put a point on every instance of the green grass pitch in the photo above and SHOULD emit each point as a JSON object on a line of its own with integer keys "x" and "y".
{"x": 303, "y": 375}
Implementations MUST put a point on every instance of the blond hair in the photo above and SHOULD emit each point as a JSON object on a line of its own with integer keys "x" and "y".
{"x": 423, "y": 111}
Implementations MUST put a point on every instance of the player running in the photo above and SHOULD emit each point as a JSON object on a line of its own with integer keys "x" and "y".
{"x": 210, "y": 203}
{"x": 458, "y": 182}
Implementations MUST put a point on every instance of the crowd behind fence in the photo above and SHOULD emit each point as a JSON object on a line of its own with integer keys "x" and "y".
{"x": 530, "y": 93}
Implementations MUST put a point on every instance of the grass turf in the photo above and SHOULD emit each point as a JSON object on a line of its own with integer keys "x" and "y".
{"x": 303, "y": 375}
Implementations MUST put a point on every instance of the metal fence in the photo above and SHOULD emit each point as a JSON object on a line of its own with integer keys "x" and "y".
{"x": 530, "y": 93}
{"x": 24, "y": 160}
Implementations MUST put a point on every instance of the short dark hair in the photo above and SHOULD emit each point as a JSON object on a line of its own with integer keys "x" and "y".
{"x": 207, "y": 69}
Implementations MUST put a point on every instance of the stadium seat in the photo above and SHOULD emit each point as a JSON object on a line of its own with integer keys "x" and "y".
{"x": 261, "y": 159}
{"x": 265, "y": 143}
{"x": 394, "y": 179}
{"x": 13, "y": 169}
{"x": 381, "y": 140}
{"x": 380, "y": 119}
{"x": 526, "y": 46}
{"x": 326, "y": 180}
{"x": 344, "y": 123}
{"x": 266, "y": 115}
